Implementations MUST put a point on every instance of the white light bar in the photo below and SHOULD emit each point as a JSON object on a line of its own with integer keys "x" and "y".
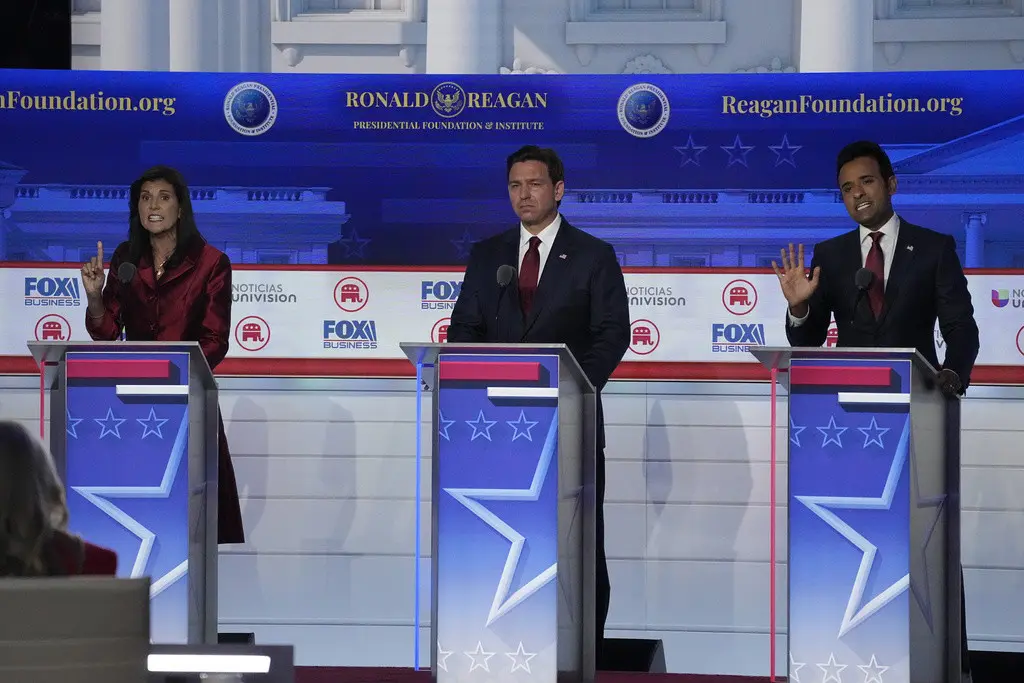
{"x": 874, "y": 398}
{"x": 209, "y": 664}
{"x": 522, "y": 392}
{"x": 152, "y": 389}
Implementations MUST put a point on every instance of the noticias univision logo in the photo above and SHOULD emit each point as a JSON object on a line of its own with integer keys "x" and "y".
{"x": 1004, "y": 297}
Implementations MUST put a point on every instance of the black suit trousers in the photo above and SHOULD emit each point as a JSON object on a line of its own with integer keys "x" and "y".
{"x": 604, "y": 588}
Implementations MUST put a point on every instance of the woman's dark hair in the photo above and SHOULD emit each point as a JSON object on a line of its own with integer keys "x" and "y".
{"x": 188, "y": 232}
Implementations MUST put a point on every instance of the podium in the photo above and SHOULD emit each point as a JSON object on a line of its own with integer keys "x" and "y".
{"x": 513, "y": 441}
{"x": 873, "y": 515}
{"x": 134, "y": 433}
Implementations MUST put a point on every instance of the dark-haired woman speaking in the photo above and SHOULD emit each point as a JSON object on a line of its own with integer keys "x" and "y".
{"x": 180, "y": 290}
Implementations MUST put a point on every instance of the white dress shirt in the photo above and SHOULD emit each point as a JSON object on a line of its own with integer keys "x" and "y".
{"x": 891, "y": 231}
{"x": 547, "y": 238}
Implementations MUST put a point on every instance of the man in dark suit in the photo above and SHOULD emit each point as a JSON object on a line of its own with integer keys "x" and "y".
{"x": 916, "y": 280}
{"x": 569, "y": 291}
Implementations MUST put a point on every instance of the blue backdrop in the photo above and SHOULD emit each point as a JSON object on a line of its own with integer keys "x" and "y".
{"x": 409, "y": 170}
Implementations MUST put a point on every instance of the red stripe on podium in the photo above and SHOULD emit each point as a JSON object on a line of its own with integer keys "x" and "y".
{"x": 81, "y": 368}
{"x": 840, "y": 375}
{"x": 483, "y": 371}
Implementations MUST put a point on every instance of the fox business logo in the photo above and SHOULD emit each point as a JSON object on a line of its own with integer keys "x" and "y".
{"x": 344, "y": 335}
{"x": 736, "y": 337}
{"x": 439, "y": 295}
{"x": 448, "y": 100}
{"x": 52, "y": 291}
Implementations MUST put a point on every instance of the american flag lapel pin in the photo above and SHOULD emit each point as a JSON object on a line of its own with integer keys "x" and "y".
{"x": 563, "y": 256}
{"x": 910, "y": 247}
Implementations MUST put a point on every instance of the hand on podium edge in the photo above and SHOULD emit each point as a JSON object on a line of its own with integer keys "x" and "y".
{"x": 949, "y": 383}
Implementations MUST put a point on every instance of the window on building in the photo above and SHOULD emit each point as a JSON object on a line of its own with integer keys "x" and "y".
{"x": 914, "y": 4}
{"x": 641, "y": 5}
{"x": 277, "y": 259}
{"x": 688, "y": 261}
{"x": 924, "y": 9}
{"x": 352, "y": 5}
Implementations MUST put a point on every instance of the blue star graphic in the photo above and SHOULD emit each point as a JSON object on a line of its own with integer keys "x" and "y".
{"x": 444, "y": 424}
{"x": 832, "y": 432}
{"x": 503, "y": 603}
{"x": 737, "y": 152}
{"x": 463, "y": 245}
{"x": 873, "y": 433}
{"x": 794, "y": 432}
{"x": 478, "y": 430}
{"x": 855, "y": 613}
{"x": 517, "y": 427}
{"x": 107, "y": 421}
{"x": 354, "y": 245}
{"x": 71, "y": 424}
{"x": 98, "y": 495}
{"x": 784, "y": 152}
{"x": 690, "y": 152}
{"x": 152, "y": 424}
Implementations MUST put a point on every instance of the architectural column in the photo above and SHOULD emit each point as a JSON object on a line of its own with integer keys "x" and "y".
{"x": 835, "y": 35}
{"x": 974, "y": 239}
{"x": 464, "y": 36}
{"x": 133, "y": 35}
{"x": 254, "y": 36}
{"x": 194, "y": 35}
{"x": 229, "y": 37}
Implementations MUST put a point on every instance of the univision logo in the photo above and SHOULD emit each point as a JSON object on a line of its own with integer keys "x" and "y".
{"x": 1002, "y": 297}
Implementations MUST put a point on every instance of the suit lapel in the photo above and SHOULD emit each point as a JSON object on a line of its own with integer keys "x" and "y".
{"x": 903, "y": 256}
{"x": 555, "y": 269}
{"x": 853, "y": 260}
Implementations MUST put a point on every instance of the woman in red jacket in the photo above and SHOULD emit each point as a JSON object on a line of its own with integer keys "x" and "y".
{"x": 34, "y": 540}
{"x": 166, "y": 283}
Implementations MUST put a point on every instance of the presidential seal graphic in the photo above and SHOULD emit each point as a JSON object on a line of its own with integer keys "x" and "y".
{"x": 643, "y": 110}
{"x": 448, "y": 99}
{"x": 250, "y": 108}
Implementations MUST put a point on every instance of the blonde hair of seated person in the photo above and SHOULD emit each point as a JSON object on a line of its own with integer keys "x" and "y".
{"x": 32, "y": 504}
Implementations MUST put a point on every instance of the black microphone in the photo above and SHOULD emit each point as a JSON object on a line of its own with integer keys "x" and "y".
{"x": 863, "y": 280}
{"x": 504, "y": 276}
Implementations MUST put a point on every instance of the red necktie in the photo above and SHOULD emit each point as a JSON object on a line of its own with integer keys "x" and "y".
{"x": 529, "y": 274}
{"x": 876, "y": 264}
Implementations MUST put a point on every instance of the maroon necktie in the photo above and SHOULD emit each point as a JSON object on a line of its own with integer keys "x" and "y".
{"x": 876, "y": 264}
{"x": 528, "y": 275}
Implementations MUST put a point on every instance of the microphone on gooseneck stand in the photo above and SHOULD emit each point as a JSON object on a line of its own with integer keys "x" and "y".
{"x": 125, "y": 274}
{"x": 862, "y": 280}
{"x": 504, "y": 276}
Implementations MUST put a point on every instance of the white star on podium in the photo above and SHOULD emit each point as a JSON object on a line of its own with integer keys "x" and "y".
{"x": 470, "y": 497}
{"x": 794, "y": 669}
{"x": 481, "y": 427}
{"x": 832, "y": 670}
{"x": 518, "y": 428}
{"x": 152, "y": 424}
{"x": 479, "y": 658}
{"x": 832, "y": 432}
{"x": 872, "y": 671}
{"x": 442, "y": 656}
{"x": 521, "y": 659}
{"x": 109, "y": 420}
{"x": 819, "y": 504}
{"x": 873, "y": 433}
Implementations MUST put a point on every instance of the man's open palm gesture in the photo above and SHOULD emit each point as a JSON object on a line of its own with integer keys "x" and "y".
{"x": 795, "y": 286}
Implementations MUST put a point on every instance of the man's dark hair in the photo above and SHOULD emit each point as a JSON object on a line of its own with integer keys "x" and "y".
{"x": 546, "y": 156}
{"x": 865, "y": 148}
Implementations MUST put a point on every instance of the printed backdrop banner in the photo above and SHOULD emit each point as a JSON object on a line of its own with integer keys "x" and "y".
{"x": 371, "y": 173}
{"x": 676, "y": 317}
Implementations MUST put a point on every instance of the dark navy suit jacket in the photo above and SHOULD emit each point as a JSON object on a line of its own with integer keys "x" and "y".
{"x": 581, "y": 302}
{"x": 926, "y": 283}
